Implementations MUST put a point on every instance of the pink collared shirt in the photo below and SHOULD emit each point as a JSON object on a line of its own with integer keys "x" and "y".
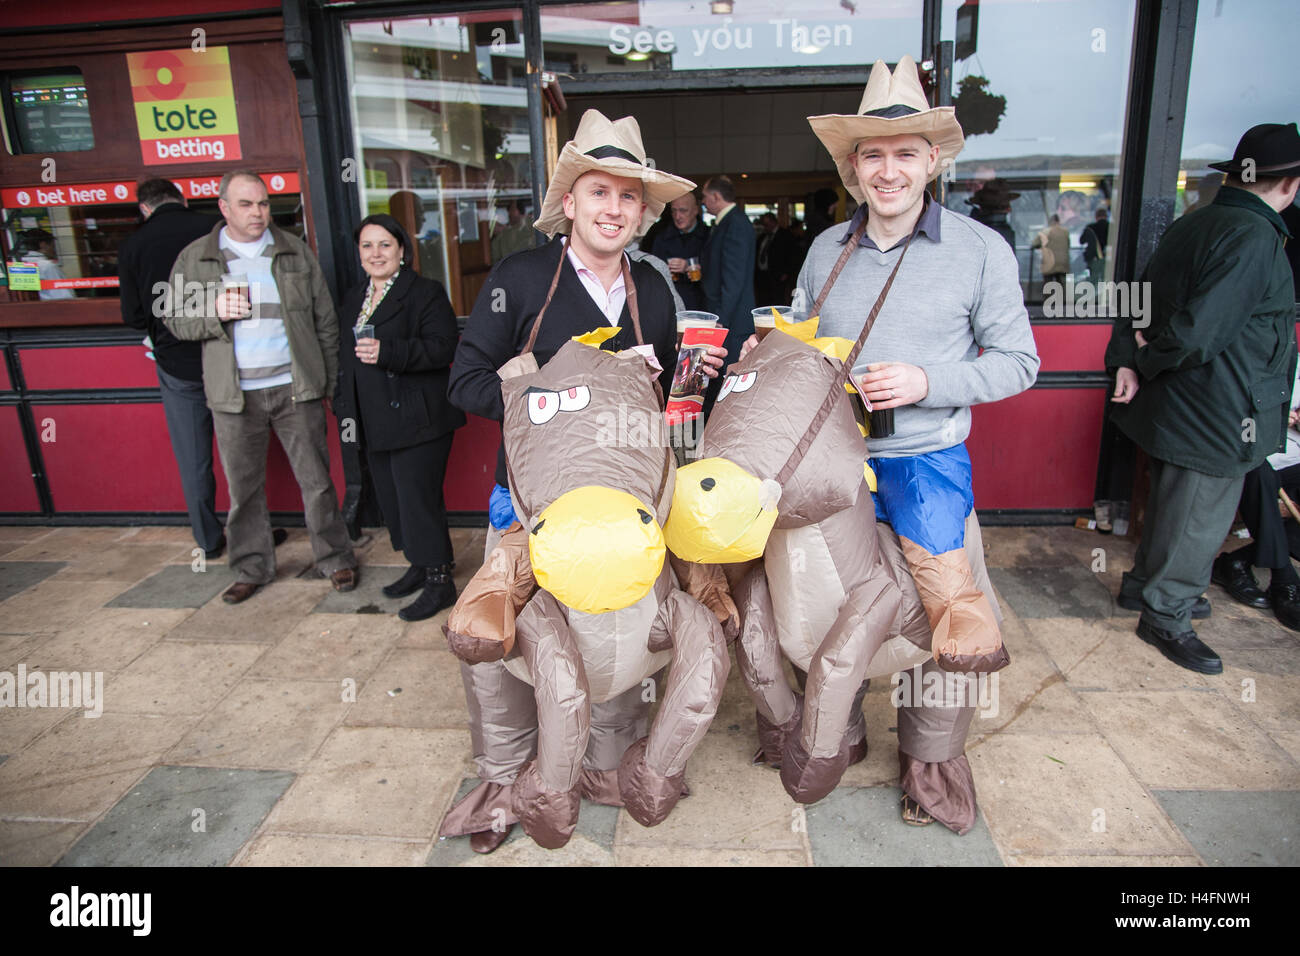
{"x": 611, "y": 302}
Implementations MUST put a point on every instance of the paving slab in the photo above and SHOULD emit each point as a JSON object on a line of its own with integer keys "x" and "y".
{"x": 332, "y": 646}
{"x": 18, "y": 576}
{"x": 179, "y": 677}
{"x": 177, "y": 586}
{"x": 1071, "y": 591}
{"x": 265, "y": 618}
{"x": 413, "y": 687}
{"x": 125, "y": 562}
{"x": 1237, "y": 828}
{"x": 368, "y": 598}
{"x": 105, "y": 640}
{"x": 861, "y": 826}
{"x": 32, "y": 842}
{"x": 53, "y": 605}
{"x": 181, "y": 816}
{"x": 294, "y": 849}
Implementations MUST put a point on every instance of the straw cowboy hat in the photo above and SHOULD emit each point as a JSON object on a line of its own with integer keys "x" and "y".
{"x": 615, "y": 148}
{"x": 891, "y": 105}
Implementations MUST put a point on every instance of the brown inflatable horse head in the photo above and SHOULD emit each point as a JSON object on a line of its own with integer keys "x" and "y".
{"x": 591, "y": 474}
{"x": 762, "y": 431}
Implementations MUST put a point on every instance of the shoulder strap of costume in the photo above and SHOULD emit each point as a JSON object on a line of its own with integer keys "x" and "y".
{"x": 849, "y": 247}
{"x": 550, "y": 293}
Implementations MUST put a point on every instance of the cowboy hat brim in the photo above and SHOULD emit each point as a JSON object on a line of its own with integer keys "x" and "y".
{"x": 1232, "y": 166}
{"x": 840, "y": 133}
{"x": 659, "y": 188}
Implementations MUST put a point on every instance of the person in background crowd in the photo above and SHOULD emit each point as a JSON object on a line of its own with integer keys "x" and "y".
{"x": 775, "y": 257}
{"x": 1095, "y": 238}
{"x": 991, "y": 205}
{"x": 143, "y": 261}
{"x": 395, "y": 383}
{"x": 408, "y": 209}
{"x": 1055, "y": 243}
{"x": 43, "y": 254}
{"x": 821, "y": 212}
{"x": 270, "y": 359}
{"x": 682, "y": 240}
{"x": 728, "y": 268}
{"x": 516, "y": 234}
{"x": 1204, "y": 389}
{"x": 1275, "y": 539}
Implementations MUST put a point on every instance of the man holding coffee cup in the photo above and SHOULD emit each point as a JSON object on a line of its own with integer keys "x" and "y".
{"x": 270, "y": 358}
{"x": 952, "y": 331}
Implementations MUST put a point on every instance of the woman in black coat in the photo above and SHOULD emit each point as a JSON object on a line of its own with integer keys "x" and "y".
{"x": 395, "y": 385}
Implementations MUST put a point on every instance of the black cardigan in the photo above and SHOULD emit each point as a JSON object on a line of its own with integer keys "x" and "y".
{"x": 503, "y": 315}
{"x": 402, "y": 398}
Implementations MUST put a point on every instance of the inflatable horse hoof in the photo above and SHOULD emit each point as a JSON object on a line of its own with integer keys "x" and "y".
{"x": 548, "y": 816}
{"x": 808, "y": 779}
{"x": 772, "y": 737}
{"x": 647, "y": 795}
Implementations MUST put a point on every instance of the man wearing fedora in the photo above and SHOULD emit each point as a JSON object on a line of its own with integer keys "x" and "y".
{"x": 953, "y": 331}
{"x": 1205, "y": 389}
{"x": 601, "y": 196}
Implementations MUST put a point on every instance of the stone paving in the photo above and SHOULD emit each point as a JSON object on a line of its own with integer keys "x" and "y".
{"x": 309, "y": 727}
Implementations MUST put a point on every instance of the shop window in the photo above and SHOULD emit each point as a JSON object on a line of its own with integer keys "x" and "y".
{"x": 60, "y": 241}
{"x": 662, "y": 35}
{"x": 1040, "y": 91}
{"x": 440, "y": 115}
{"x": 47, "y": 112}
{"x": 1223, "y": 103}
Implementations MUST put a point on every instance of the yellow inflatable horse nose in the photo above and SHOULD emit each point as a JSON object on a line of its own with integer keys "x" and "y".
{"x": 597, "y": 549}
{"x": 721, "y": 514}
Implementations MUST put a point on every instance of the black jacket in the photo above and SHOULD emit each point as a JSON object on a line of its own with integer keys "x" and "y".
{"x": 402, "y": 398}
{"x": 671, "y": 243}
{"x": 728, "y": 277}
{"x": 503, "y": 315}
{"x": 146, "y": 258}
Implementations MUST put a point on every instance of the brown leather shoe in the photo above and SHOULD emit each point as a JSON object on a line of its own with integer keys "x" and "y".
{"x": 345, "y": 579}
{"x": 489, "y": 840}
{"x": 239, "y": 592}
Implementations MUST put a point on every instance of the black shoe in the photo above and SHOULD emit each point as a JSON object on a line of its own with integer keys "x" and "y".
{"x": 279, "y": 536}
{"x": 1235, "y": 577}
{"x": 1200, "y": 607}
{"x": 408, "y": 583}
{"x": 1185, "y": 649}
{"x": 213, "y": 553}
{"x": 439, "y": 592}
{"x": 1285, "y": 599}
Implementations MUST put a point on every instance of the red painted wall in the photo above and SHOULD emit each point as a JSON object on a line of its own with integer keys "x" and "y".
{"x": 17, "y": 490}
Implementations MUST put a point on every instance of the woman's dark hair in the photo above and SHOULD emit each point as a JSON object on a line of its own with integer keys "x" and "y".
{"x": 394, "y": 229}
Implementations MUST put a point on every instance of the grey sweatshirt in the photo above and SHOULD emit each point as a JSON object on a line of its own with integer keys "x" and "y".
{"x": 954, "y": 296}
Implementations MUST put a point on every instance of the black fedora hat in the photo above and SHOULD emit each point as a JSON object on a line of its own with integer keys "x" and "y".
{"x": 1272, "y": 149}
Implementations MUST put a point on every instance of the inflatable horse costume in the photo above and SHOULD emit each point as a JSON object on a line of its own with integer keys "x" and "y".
{"x": 578, "y": 599}
{"x": 782, "y": 497}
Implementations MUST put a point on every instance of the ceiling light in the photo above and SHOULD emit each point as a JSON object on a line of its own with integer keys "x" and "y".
{"x": 637, "y": 56}
{"x": 721, "y": 7}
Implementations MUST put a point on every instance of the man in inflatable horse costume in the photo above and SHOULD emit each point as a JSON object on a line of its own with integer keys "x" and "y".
{"x": 608, "y": 611}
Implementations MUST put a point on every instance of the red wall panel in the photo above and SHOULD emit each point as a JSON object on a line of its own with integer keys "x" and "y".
{"x": 17, "y": 489}
{"x": 118, "y": 366}
{"x": 4, "y": 375}
{"x": 1037, "y": 449}
{"x": 1072, "y": 348}
{"x": 472, "y": 467}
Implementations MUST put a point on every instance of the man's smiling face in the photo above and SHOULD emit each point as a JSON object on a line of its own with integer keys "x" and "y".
{"x": 605, "y": 210}
{"x": 893, "y": 171}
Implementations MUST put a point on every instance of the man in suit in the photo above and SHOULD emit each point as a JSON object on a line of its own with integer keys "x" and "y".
{"x": 728, "y": 266}
{"x": 144, "y": 260}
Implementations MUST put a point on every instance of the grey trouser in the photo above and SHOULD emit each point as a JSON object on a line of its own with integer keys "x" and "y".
{"x": 1188, "y": 516}
{"x": 189, "y": 423}
{"x": 243, "y": 439}
{"x": 503, "y": 717}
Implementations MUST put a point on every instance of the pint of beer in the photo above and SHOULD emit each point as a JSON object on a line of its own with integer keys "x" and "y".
{"x": 765, "y": 318}
{"x": 693, "y": 269}
{"x": 690, "y": 319}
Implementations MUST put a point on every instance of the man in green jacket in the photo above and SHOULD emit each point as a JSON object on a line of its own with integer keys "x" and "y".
{"x": 255, "y": 297}
{"x": 1204, "y": 389}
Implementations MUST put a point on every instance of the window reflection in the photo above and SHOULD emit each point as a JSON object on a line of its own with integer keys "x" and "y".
{"x": 1041, "y": 97}
{"x": 440, "y": 112}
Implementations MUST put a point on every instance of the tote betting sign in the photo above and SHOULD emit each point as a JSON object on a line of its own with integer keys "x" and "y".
{"x": 184, "y": 105}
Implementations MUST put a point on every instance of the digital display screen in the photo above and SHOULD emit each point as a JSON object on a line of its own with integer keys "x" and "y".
{"x": 51, "y": 113}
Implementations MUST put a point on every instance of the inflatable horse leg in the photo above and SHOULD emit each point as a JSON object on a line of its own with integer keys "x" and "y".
{"x": 546, "y": 794}
{"x": 616, "y": 724}
{"x": 653, "y": 770}
{"x": 817, "y": 754}
{"x": 932, "y": 765}
{"x": 758, "y": 655}
{"x": 965, "y": 626}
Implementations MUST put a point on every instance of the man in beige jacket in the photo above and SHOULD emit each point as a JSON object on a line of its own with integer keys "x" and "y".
{"x": 254, "y": 295}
